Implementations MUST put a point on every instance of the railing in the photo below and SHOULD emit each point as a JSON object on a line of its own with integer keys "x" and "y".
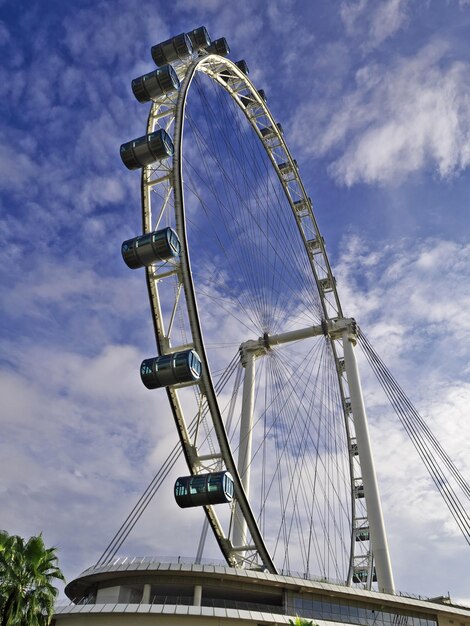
{"x": 138, "y": 560}
{"x": 185, "y": 560}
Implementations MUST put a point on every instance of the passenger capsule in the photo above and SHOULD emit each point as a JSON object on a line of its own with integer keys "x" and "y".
{"x": 228, "y": 74}
{"x": 146, "y": 150}
{"x": 303, "y": 207}
{"x": 354, "y": 449}
{"x": 203, "y": 489}
{"x": 249, "y": 101}
{"x": 155, "y": 84}
{"x": 287, "y": 167}
{"x": 142, "y": 251}
{"x": 269, "y": 131}
{"x": 219, "y": 46}
{"x": 242, "y": 66}
{"x": 199, "y": 38}
{"x": 359, "y": 491}
{"x": 175, "y": 49}
{"x": 360, "y": 576}
{"x": 171, "y": 369}
{"x": 362, "y": 535}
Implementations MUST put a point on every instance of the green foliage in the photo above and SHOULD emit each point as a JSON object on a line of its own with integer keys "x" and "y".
{"x": 27, "y": 571}
{"x": 300, "y": 621}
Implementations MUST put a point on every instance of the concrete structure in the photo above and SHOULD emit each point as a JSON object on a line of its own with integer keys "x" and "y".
{"x": 145, "y": 592}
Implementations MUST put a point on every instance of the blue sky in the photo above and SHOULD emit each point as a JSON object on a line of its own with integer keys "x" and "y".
{"x": 374, "y": 99}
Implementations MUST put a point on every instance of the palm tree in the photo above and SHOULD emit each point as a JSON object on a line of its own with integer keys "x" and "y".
{"x": 300, "y": 621}
{"x": 27, "y": 571}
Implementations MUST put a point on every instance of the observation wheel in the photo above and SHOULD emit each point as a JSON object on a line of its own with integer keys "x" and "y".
{"x": 253, "y": 350}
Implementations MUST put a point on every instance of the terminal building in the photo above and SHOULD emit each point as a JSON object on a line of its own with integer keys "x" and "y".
{"x": 147, "y": 592}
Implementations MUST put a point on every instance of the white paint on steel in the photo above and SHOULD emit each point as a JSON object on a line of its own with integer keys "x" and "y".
{"x": 371, "y": 490}
{"x": 239, "y": 537}
{"x": 193, "y": 315}
{"x": 168, "y": 111}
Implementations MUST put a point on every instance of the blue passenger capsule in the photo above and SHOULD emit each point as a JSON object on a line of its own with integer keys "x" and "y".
{"x": 155, "y": 84}
{"x": 286, "y": 168}
{"x": 359, "y": 491}
{"x": 269, "y": 131}
{"x": 362, "y": 535}
{"x": 360, "y": 576}
{"x": 228, "y": 74}
{"x": 161, "y": 245}
{"x": 249, "y": 101}
{"x": 242, "y": 65}
{"x": 219, "y": 46}
{"x": 175, "y": 49}
{"x": 146, "y": 150}
{"x": 204, "y": 489}
{"x": 171, "y": 369}
{"x": 199, "y": 38}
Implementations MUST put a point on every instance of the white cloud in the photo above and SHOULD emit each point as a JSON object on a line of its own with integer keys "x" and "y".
{"x": 15, "y": 170}
{"x": 377, "y": 21}
{"x": 412, "y": 116}
{"x": 4, "y": 34}
{"x": 79, "y": 435}
{"x": 389, "y": 17}
{"x": 408, "y": 284}
{"x": 350, "y": 12}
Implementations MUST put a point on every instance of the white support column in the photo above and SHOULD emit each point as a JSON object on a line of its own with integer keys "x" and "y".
{"x": 146, "y": 594}
{"x": 374, "y": 510}
{"x": 197, "y": 597}
{"x": 246, "y": 437}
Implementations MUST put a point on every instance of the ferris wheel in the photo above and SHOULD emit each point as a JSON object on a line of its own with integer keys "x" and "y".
{"x": 254, "y": 352}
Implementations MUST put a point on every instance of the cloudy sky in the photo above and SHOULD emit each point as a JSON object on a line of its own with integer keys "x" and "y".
{"x": 374, "y": 99}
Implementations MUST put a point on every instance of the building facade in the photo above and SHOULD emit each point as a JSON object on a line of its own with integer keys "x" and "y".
{"x": 145, "y": 592}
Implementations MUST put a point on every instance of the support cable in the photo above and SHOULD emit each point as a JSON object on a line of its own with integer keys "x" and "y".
{"x": 429, "y": 449}
{"x": 156, "y": 482}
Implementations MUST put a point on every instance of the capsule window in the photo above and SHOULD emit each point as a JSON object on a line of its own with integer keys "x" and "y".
{"x": 164, "y": 363}
{"x": 195, "y": 365}
{"x": 226, "y": 75}
{"x": 171, "y": 369}
{"x": 269, "y": 131}
{"x": 242, "y": 65}
{"x": 199, "y": 38}
{"x": 198, "y": 484}
{"x": 177, "y": 48}
{"x": 219, "y": 46}
{"x": 204, "y": 489}
{"x": 146, "y": 150}
{"x": 228, "y": 485}
{"x": 249, "y": 101}
{"x": 150, "y": 248}
{"x": 155, "y": 84}
{"x": 181, "y": 488}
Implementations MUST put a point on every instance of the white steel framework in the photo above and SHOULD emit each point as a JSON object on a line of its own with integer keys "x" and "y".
{"x": 163, "y": 203}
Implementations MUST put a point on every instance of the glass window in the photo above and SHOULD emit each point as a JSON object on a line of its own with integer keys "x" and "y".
{"x": 228, "y": 485}
{"x": 214, "y": 482}
{"x": 355, "y": 612}
{"x": 344, "y": 609}
{"x": 197, "y": 484}
{"x": 181, "y": 489}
